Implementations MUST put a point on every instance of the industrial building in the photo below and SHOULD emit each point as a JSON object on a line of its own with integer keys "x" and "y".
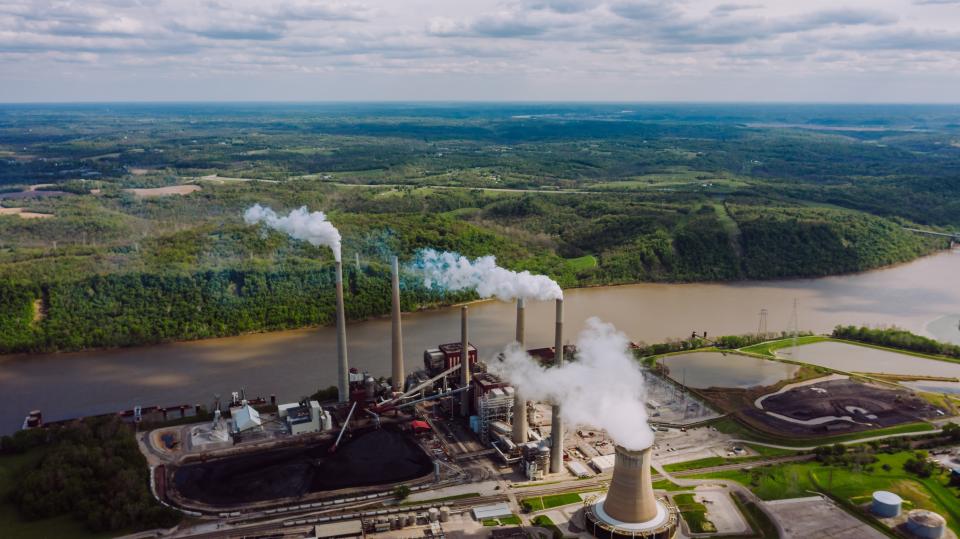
{"x": 305, "y": 417}
{"x": 629, "y": 509}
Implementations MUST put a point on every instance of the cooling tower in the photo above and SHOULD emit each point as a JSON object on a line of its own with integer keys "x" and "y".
{"x": 630, "y": 509}
{"x": 464, "y": 364}
{"x": 556, "y": 420}
{"x": 519, "y": 403}
{"x": 343, "y": 375}
{"x": 397, "y": 334}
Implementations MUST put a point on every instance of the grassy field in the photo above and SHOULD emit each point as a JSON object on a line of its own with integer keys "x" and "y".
{"x": 669, "y": 486}
{"x": 694, "y": 513}
{"x": 768, "y": 349}
{"x": 512, "y": 520}
{"x": 731, "y": 426}
{"x": 796, "y": 480}
{"x": 759, "y": 521}
{"x": 12, "y": 526}
{"x": 710, "y": 462}
{"x": 539, "y": 503}
{"x": 582, "y": 263}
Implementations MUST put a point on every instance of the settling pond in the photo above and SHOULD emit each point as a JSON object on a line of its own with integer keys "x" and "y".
{"x": 714, "y": 369}
{"x": 853, "y": 358}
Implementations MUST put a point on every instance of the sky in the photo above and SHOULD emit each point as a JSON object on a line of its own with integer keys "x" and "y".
{"x": 480, "y": 50}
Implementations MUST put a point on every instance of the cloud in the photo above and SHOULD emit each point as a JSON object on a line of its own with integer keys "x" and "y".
{"x": 516, "y": 45}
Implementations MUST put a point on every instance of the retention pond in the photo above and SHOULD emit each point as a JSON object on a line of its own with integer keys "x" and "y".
{"x": 714, "y": 369}
{"x": 853, "y": 358}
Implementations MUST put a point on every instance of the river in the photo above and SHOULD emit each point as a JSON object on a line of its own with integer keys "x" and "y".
{"x": 922, "y": 296}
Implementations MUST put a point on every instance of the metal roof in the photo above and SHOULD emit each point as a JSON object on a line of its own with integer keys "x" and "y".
{"x": 344, "y": 528}
{"x": 495, "y": 510}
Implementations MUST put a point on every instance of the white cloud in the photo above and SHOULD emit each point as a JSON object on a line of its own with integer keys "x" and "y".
{"x": 521, "y": 49}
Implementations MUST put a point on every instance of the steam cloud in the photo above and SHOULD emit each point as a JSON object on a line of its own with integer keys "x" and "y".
{"x": 300, "y": 224}
{"x": 451, "y": 271}
{"x": 603, "y": 388}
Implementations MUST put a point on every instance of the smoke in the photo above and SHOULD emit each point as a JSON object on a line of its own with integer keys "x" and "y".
{"x": 300, "y": 224}
{"x": 603, "y": 388}
{"x": 451, "y": 271}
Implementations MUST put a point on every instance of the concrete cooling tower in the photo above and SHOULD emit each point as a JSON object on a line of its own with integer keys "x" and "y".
{"x": 630, "y": 509}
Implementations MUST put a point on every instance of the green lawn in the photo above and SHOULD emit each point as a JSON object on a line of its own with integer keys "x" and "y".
{"x": 759, "y": 521}
{"x": 582, "y": 263}
{"x": 710, "y": 462}
{"x": 733, "y": 427}
{"x": 512, "y": 520}
{"x": 539, "y": 503}
{"x": 694, "y": 513}
{"x": 669, "y": 486}
{"x": 795, "y": 480}
{"x": 11, "y": 525}
{"x": 769, "y": 348}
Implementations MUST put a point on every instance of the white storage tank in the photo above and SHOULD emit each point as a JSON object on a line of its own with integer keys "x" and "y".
{"x": 444, "y": 514}
{"x": 885, "y": 504}
{"x": 434, "y": 514}
{"x": 925, "y": 524}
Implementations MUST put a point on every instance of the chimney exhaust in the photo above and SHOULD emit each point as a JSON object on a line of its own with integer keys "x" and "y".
{"x": 556, "y": 419}
{"x": 343, "y": 376}
{"x": 397, "y": 334}
{"x": 519, "y": 403}
{"x": 464, "y": 364}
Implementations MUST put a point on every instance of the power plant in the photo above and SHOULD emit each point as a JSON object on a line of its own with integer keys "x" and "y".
{"x": 336, "y": 465}
{"x": 629, "y": 508}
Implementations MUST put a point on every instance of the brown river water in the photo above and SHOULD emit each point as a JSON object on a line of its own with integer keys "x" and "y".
{"x": 922, "y": 296}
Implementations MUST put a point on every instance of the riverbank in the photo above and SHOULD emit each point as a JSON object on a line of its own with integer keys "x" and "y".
{"x": 294, "y": 363}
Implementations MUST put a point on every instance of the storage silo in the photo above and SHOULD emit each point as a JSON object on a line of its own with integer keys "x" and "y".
{"x": 885, "y": 504}
{"x": 925, "y": 524}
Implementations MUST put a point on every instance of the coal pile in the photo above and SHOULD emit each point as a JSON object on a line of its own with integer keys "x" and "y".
{"x": 375, "y": 457}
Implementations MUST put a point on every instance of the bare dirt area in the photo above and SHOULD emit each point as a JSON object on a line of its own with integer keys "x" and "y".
{"x": 164, "y": 191}
{"x": 24, "y": 214}
{"x": 838, "y": 405}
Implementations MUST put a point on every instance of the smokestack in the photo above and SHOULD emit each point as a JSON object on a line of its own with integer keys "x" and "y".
{"x": 556, "y": 420}
{"x": 630, "y": 498}
{"x": 343, "y": 376}
{"x": 464, "y": 363}
{"x": 519, "y": 403}
{"x": 397, "y": 334}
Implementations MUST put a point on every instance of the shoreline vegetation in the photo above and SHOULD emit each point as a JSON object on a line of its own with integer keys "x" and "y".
{"x": 659, "y": 196}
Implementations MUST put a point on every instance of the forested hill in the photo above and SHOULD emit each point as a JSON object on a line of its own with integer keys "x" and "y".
{"x": 121, "y": 225}
{"x": 224, "y": 279}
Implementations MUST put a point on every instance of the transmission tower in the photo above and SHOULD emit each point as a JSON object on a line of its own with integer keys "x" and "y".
{"x": 762, "y": 328}
{"x": 794, "y": 328}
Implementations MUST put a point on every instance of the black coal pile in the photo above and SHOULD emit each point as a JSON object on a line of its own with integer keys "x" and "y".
{"x": 374, "y": 457}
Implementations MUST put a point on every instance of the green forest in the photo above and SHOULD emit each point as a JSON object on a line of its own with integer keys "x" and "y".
{"x": 580, "y": 194}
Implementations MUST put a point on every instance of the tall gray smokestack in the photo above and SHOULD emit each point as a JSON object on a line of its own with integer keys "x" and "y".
{"x": 464, "y": 363}
{"x": 556, "y": 420}
{"x": 397, "y": 333}
{"x": 343, "y": 376}
{"x": 519, "y": 403}
{"x": 630, "y": 498}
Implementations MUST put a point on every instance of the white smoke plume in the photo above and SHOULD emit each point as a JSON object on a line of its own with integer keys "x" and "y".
{"x": 300, "y": 224}
{"x": 454, "y": 272}
{"x": 603, "y": 388}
